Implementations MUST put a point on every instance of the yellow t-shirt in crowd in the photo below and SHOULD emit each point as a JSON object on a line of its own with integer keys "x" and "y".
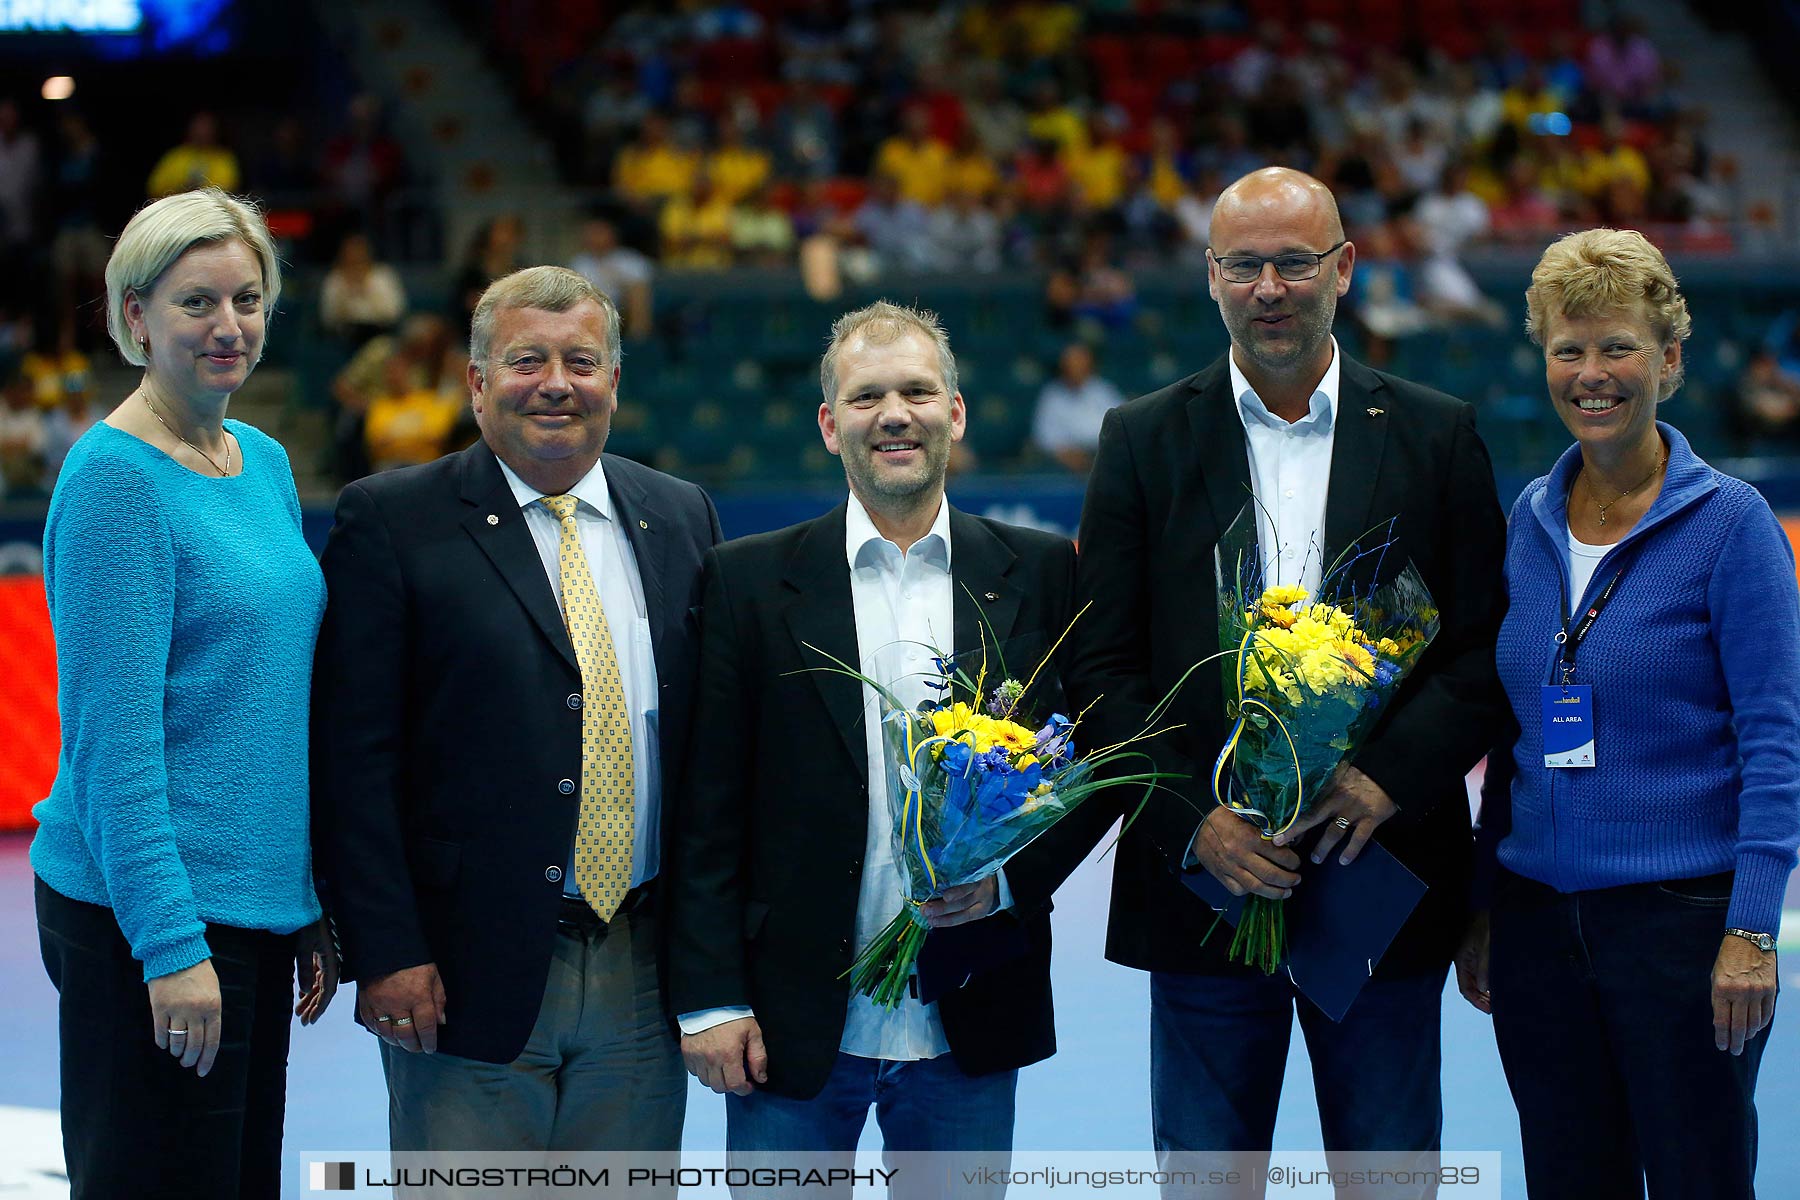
{"x": 922, "y": 169}
{"x": 974, "y": 174}
{"x": 409, "y": 428}
{"x": 655, "y": 172}
{"x": 1098, "y": 173}
{"x": 736, "y": 171}
{"x": 696, "y": 235}
{"x": 187, "y": 167}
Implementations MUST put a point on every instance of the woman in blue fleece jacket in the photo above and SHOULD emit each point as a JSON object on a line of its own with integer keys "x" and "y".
{"x": 174, "y": 880}
{"x": 1634, "y": 888}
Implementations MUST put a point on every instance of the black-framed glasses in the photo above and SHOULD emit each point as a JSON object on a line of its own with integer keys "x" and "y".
{"x": 1295, "y": 267}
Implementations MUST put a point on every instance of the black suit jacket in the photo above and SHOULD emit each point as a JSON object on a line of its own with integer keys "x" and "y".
{"x": 1171, "y": 475}
{"x": 768, "y": 863}
{"x": 443, "y": 728}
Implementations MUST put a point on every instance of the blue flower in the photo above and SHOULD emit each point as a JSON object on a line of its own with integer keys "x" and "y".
{"x": 1053, "y": 740}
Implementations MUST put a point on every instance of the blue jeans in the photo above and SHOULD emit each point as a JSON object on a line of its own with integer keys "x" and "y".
{"x": 1603, "y": 1014}
{"x": 927, "y": 1105}
{"x": 1219, "y": 1045}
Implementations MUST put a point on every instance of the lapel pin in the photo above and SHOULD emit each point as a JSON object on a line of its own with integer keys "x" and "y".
{"x": 643, "y": 524}
{"x": 1376, "y": 412}
{"x": 993, "y": 595}
{"x": 492, "y": 519}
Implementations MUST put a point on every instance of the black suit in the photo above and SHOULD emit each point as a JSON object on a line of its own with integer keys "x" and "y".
{"x": 768, "y": 864}
{"x": 1171, "y": 475}
{"x": 444, "y": 732}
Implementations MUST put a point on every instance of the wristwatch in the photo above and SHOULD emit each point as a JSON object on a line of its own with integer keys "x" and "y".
{"x": 1762, "y": 941}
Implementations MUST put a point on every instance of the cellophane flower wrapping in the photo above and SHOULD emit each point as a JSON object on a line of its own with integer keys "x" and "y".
{"x": 1306, "y": 680}
{"x": 968, "y": 787}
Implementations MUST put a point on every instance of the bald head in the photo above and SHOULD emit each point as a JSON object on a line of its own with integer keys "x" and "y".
{"x": 1280, "y": 324}
{"x": 1280, "y": 197}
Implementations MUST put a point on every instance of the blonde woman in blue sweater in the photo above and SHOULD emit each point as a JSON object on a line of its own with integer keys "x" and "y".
{"x": 1640, "y": 833}
{"x": 174, "y": 883}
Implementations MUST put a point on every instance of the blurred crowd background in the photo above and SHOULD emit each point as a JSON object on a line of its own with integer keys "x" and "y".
{"x": 1039, "y": 172}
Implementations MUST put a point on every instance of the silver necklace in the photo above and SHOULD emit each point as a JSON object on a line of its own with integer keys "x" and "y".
{"x": 211, "y": 461}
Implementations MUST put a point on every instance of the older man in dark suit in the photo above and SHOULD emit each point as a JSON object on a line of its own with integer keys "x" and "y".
{"x": 502, "y": 692}
{"x": 1330, "y": 449}
{"x": 784, "y": 864}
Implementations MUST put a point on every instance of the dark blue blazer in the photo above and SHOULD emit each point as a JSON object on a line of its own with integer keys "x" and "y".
{"x": 443, "y": 730}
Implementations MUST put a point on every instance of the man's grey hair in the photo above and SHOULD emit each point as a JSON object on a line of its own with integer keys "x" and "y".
{"x": 550, "y": 289}
{"x": 880, "y": 324}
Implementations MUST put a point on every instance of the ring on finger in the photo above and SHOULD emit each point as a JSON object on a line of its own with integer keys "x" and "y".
{"x": 1341, "y": 822}
{"x": 177, "y": 1033}
{"x": 402, "y": 1021}
{"x": 383, "y": 1020}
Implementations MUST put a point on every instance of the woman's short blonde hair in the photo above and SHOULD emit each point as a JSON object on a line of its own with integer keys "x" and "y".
{"x": 1601, "y": 271}
{"x": 161, "y": 232}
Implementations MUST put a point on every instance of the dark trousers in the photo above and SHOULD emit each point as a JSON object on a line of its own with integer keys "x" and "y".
{"x": 135, "y": 1122}
{"x": 1603, "y": 1014}
{"x": 1219, "y": 1046}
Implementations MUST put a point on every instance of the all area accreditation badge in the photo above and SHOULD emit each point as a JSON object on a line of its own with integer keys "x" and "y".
{"x": 1568, "y": 725}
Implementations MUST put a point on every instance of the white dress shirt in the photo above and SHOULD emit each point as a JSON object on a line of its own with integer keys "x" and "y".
{"x": 1290, "y": 472}
{"x": 615, "y": 570}
{"x": 905, "y": 614}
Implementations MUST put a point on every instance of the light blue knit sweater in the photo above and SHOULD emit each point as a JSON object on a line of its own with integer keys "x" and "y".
{"x": 1695, "y": 665}
{"x": 185, "y": 610}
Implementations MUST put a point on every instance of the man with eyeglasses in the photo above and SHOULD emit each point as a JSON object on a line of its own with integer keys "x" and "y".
{"x": 1329, "y": 450}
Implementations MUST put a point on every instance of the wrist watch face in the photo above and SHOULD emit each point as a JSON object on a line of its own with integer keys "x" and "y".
{"x": 1762, "y": 941}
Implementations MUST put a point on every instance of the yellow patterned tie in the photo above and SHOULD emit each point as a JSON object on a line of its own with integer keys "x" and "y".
{"x": 603, "y": 834}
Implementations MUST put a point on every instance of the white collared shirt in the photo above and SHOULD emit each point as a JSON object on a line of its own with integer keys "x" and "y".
{"x": 614, "y": 567}
{"x": 905, "y": 609}
{"x": 1290, "y": 472}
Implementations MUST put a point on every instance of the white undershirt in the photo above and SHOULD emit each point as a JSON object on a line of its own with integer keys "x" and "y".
{"x": 1583, "y": 559}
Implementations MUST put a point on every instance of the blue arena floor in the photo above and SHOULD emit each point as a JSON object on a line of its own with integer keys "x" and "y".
{"x": 1093, "y": 1095}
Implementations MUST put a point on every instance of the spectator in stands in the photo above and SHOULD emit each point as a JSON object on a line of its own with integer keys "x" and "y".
{"x": 653, "y": 169}
{"x": 434, "y": 361}
{"x": 21, "y": 178}
{"x": 360, "y": 297}
{"x": 965, "y": 235}
{"x": 175, "y": 896}
{"x": 1094, "y": 289}
{"x": 1052, "y": 119}
{"x": 199, "y": 161}
{"x": 1070, "y": 409}
{"x": 22, "y": 439}
{"x": 621, "y": 274}
{"x": 896, "y": 230}
{"x": 1252, "y": 67}
{"x": 1383, "y": 298}
{"x": 1530, "y": 100}
{"x": 917, "y": 162}
{"x": 1476, "y": 111}
{"x": 78, "y": 248}
{"x": 285, "y": 171}
{"x": 971, "y": 170}
{"x": 493, "y": 252}
{"x": 75, "y": 414}
{"x": 736, "y": 168}
{"x": 610, "y": 116}
{"x": 1193, "y": 216}
{"x": 1447, "y": 220}
{"x": 363, "y": 165}
{"x": 1097, "y": 165}
{"x": 1612, "y": 165}
{"x": 1623, "y": 67}
{"x": 762, "y": 233}
{"x": 1166, "y": 166}
{"x": 996, "y": 120}
{"x": 1529, "y": 212}
{"x": 1644, "y": 891}
{"x": 1768, "y": 397}
{"x": 805, "y": 135}
{"x": 56, "y": 373}
{"x": 408, "y": 422}
{"x": 1420, "y": 157}
{"x": 695, "y": 228}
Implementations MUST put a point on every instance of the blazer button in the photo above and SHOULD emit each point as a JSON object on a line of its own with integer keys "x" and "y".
{"x": 574, "y": 700}
{"x": 553, "y": 874}
{"x": 566, "y": 787}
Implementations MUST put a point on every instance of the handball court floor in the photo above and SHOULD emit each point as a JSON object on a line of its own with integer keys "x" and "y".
{"x": 1093, "y": 1095}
